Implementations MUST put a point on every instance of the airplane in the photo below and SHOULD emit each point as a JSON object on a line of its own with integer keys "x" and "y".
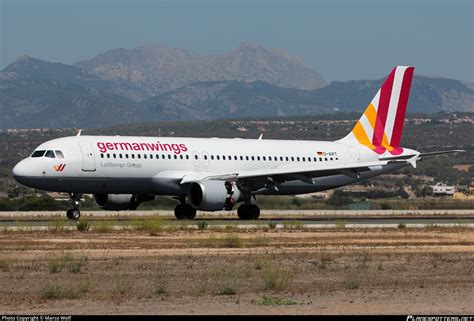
{"x": 212, "y": 174}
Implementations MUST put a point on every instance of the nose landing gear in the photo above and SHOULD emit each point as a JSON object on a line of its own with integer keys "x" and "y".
{"x": 74, "y": 213}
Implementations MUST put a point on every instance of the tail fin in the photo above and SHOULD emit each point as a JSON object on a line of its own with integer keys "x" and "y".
{"x": 380, "y": 127}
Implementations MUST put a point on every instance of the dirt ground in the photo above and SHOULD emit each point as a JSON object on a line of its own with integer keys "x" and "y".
{"x": 291, "y": 271}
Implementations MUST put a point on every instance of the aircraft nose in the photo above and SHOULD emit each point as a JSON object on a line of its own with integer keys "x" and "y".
{"x": 19, "y": 172}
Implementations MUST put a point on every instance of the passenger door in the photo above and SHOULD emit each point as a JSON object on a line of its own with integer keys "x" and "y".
{"x": 88, "y": 159}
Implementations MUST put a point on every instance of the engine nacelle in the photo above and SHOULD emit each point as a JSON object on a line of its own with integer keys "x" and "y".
{"x": 120, "y": 202}
{"x": 209, "y": 195}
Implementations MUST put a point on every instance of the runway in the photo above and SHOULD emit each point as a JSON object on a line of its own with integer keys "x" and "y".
{"x": 275, "y": 219}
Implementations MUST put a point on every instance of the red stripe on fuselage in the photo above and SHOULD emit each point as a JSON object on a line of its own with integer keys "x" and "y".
{"x": 382, "y": 110}
{"x": 402, "y": 107}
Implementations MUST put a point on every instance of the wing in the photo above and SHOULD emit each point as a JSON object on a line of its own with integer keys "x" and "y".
{"x": 255, "y": 179}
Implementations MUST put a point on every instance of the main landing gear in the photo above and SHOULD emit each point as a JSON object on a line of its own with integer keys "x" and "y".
{"x": 248, "y": 212}
{"x": 184, "y": 212}
{"x": 74, "y": 213}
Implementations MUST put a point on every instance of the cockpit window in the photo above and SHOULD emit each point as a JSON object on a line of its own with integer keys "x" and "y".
{"x": 38, "y": 153}
{"x": 50, "y": 154}
{"x": 59, "y": 154}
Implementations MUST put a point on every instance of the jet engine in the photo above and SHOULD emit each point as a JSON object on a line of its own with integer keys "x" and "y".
{"x": 120, "y": 202}
{"x": 212, "y": 195}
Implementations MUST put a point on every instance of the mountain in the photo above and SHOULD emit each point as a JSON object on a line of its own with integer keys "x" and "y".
{"x": 36, "y": 93}
{"x": 213, "y": 100}
{"x": 39, "y": 94}
{"x": 155, "y": 70}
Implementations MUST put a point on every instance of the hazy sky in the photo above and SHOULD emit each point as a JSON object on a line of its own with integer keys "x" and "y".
{"x": 341, "y": 39}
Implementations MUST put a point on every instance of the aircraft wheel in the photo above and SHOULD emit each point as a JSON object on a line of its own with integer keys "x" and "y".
{"x": 73, "y": 214}
{"x": 248, "y": 212}
{"x": 184, "y": 212}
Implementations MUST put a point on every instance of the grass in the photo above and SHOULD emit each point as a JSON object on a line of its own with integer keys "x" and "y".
{"x": 83, "y": 226}
{"x": 275, "y": 278}
{"x": 153, "y": 225}
{"x": 293, "y": 225}
{"x": 259, "y": 241}
{"x": 273, "y": 301}
{"x": 341, "y": 224}
{"x": 202, "y": 225}
{"x": 226, "y": 279}
{"x": 103, "y": 226}
{"x": 272, "y": 225}
{"x": 324, "y": 259}
{"x": 57, "y": 263}
{"x": 352, "y": 283}
{"x": 5, "y": 264}
{"x": 51, "y": 291}
{"x": 57, "y": 225}
{"x": 123, "y": 284}
{"x": 232, "y": 240}
{"x": 76, "y": 265}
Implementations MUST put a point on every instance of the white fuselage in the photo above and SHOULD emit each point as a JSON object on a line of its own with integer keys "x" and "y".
{"x": 156, "y": 165}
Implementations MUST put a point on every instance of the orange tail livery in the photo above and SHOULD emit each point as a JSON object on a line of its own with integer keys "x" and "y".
{"x": 380, "y": 127}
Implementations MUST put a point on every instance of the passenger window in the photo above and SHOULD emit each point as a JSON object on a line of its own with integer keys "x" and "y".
{"x": 120, "y": 155}
{"x": 59, "y": 154}
{"x": 212, "y": 157}
{"x": 205, "y": 157}
{"x": 253, "y": 158}
{"x": 281, "y": 158}
{"x": 144, "y": 156}
{"x": 101, "y": 155}
{"x": 133, "y": 156}
{"x": 181, "y": 156}
{"x": 326, "y": 159}
{"x": 163, "y": 156}
{"x": 287, "y": 158}
{"x": 235, "y": 157}
{"x": 108, "y": 155}
{"x": 258, "y": 158}
{"x": 269, "y": 158}
{"x": 304, "y": 159}
{"x": 175, "y": 156}
{"x": 169, "y": 156}
{"x": 115, "y": 156}
{"x": 315, "y": 159}
{"x": 187, "y": 156}
{"x": 217, "y": 157}
{"x": 126, "y": 156}
{"x": 241, "y": 158}
{"x": 196, "y": 157}
{"x": 50, "y": 154}
{"x": 246, "y": 157}
{"x": 264, "y": 158}
{"x": 292, "y": 159}
{"x": 320, "y": 159}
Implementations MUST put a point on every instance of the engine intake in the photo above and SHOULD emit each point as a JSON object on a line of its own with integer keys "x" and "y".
{"x": 120, "y": 202}
{"x": 212, "y": 195}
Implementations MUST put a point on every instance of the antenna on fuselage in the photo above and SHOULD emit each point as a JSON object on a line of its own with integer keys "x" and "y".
{"x": 79, "y": 133}
{"x": 260, "y": 137}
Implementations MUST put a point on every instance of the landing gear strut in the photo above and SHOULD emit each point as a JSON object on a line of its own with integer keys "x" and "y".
{"x": 248, "y": 212}
{"x": 184, "y": 212}
{"x": 74, "y": 213}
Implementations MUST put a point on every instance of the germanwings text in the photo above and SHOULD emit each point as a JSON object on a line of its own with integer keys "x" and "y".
{"x": 157, "y": 147}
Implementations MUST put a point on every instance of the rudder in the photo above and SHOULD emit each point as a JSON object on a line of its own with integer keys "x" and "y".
{"x": 380, "y": 127}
